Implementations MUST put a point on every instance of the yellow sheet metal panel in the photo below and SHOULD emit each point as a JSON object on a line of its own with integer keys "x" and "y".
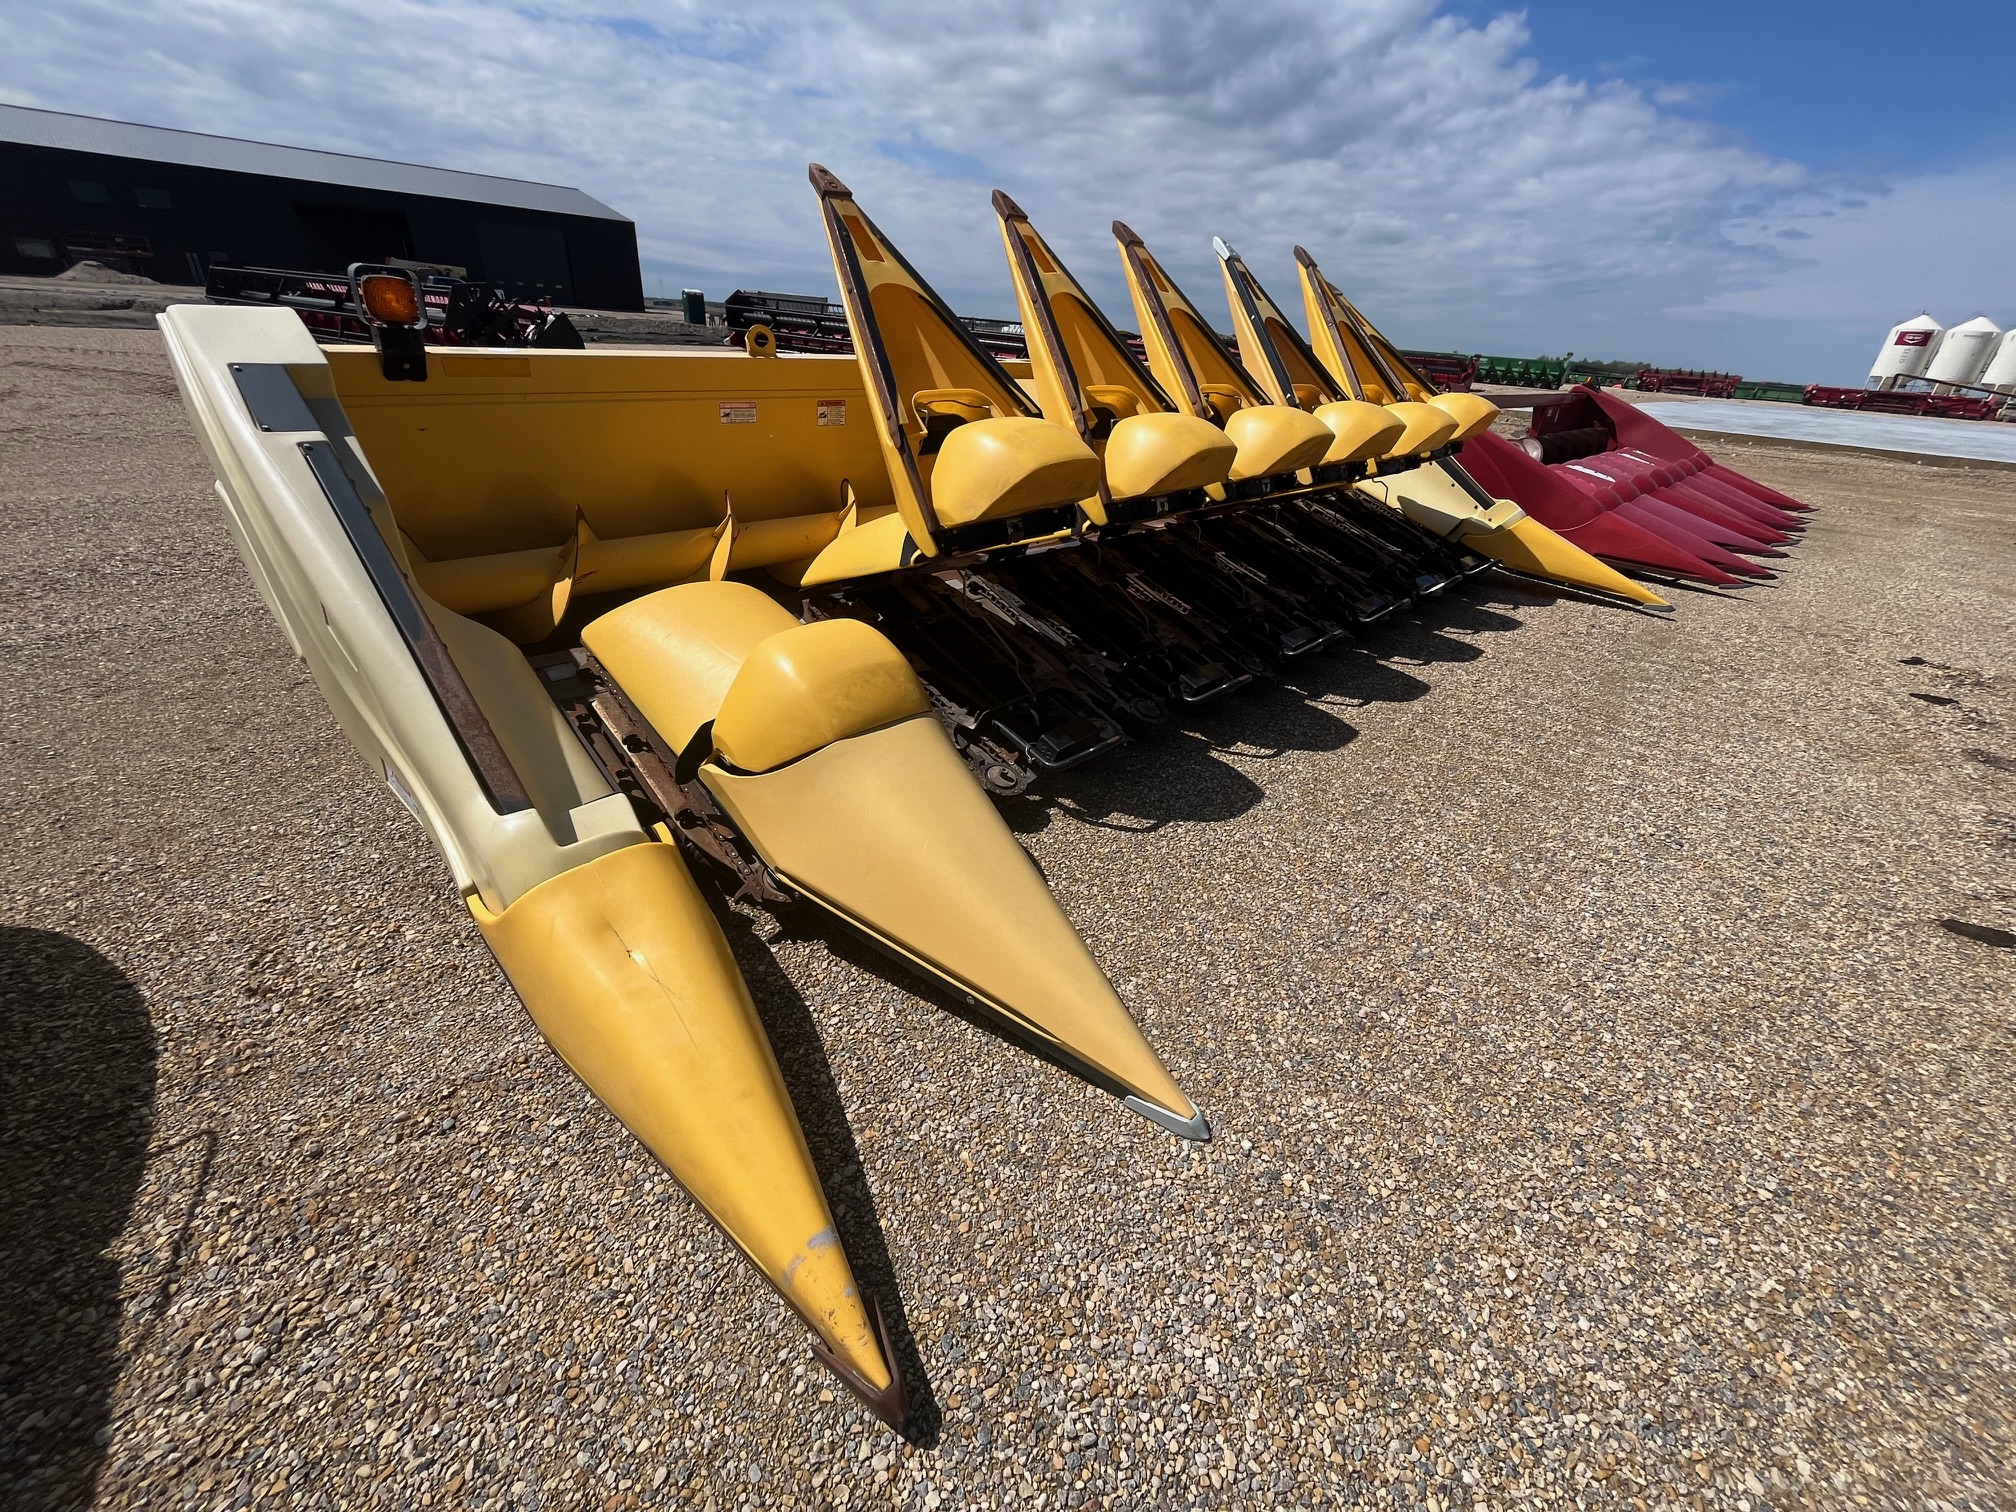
{"x": 1528, "y": 546}
{"x": 627, "y": 975}
{"x": 811, "y": 685}
{"x": 1269, "y": 346}
{"x": 1431, "y": 498}
{"x": 1362, "y": 430}
{"x": 907, "y": 343}
{"x": 879, "y": 546}
{"x": 890, "y": 830}
{"x": 924, "y": 353}
{"x": 1392, "y": 361}
{"x": 995, "y": 469}
{"x": 1273, "y": 438}
{"x": 1309, "y": 377}
{"x": 962, "y": 439}
{"x": 1184, "y": 354}
{"x": 1072, "y": 347}
{"x": 1472, "y": 413}
{"x": 675, "y": 652}
{"x": 637, "y": 443}
{"x": 1154, "y": 454}
{"x": 1424, "y": 427}
{"x": 1188, "y": 358}
{"x": 1039, "y": 289}
{"x": 1087, "y": 380}
{"x": 1334, "y": 338}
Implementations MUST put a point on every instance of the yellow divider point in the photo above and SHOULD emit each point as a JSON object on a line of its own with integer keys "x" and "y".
{"x": 627, "y": 975}
{"x": 1528, "y": 546}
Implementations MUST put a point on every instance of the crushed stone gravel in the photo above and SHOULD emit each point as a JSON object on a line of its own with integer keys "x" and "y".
{"x": 1604, "y": 1115}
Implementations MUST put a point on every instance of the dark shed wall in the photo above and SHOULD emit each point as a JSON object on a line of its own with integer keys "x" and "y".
{"x": 171, "y": 221}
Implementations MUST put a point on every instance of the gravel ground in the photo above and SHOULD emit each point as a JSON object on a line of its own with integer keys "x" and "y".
{"x": 1604, "y": 1116}
{"x": 89, "y": 297}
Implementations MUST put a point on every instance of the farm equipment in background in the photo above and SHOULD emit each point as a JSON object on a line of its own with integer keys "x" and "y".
{"x": 1776, "y": 393}
{"x": 1002, "y": 338}
{"x": 1904, "y": 402}
{"x": 798, "y": 322}
{"x": 1607, "y": 478}
{"x": 814, "y": 323}
{"x": 458, "y": 311}
{"x": 1686, "y": 381}
{"x": 1451, "y": 372}
{"x": 1522, "y": 372}
{"x": 1625, "y": 487}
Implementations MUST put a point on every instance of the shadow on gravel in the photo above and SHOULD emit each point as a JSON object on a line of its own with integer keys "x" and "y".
{"x": 1269, "y": 721}
{"x": 1353, "y": 676}
{"x": 1410, "y": 641}
{"x": 1178, "y": 775}
{"x": 808, "y": 1077}
{"x": 1669, "y": 587}
{"x": 1172, "y": 777}
{"x": 1475, "y": 612}
{"x": 76, "y": 1113}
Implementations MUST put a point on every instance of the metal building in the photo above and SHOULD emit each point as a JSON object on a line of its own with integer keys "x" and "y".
{"x": 169, "y": 203}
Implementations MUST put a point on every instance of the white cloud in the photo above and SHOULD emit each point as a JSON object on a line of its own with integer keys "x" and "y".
{"x": 1860, "y": 262}
{"x": 1467, "y": 199}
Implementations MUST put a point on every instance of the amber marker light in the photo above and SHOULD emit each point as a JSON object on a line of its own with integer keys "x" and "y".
{"x": 389, "y": 299}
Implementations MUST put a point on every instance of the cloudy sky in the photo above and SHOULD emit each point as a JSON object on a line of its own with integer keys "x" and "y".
{"x": 1760, "y": 187}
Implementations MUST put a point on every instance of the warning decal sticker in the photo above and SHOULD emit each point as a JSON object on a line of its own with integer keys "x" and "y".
{"x": 832, "y": 411}
{"x": 738, "y": 412}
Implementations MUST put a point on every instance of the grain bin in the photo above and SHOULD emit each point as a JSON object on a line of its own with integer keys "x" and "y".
{"x": 1905, "y": 352}
{"x": 2000, "y": 374}
{"x": 1963, "y": 353}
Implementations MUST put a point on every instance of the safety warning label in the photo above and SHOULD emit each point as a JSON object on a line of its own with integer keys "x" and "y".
{"x": 832, "y": 411}
{"x": 738, "y": 412}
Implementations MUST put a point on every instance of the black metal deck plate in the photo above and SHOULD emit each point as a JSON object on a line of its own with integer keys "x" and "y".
{"x": 269, "y": 393}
